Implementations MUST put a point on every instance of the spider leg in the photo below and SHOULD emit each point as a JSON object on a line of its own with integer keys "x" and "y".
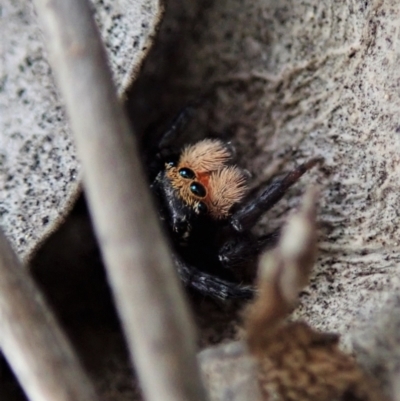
{"x": 177, "y": 126}
{"x": 253, "y": 207}
{"x": 165, "y": 147}
{"x": 242, "y": 250}
{"x": 209, "y": 285}
{"x": 154, "y": 140}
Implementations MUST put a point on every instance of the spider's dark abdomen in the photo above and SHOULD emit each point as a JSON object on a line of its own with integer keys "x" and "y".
{"x": 203, "y": 248}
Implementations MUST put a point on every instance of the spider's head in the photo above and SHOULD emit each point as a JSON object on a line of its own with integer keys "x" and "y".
{"x": 204, "y": 181}
{"x": 200, "y": 184}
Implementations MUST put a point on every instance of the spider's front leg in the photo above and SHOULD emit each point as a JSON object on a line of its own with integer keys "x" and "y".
{"x": 177, "y": 127}
{"x": 166, "y": 146}
{"x": 266, "y": 196}
{"x": 240, "y": 249}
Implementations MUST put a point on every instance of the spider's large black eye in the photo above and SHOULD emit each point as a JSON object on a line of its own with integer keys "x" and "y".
{"x": 198, "y": 189}
{"x": 202, "y": 208}
{"x": 187, "y": 173}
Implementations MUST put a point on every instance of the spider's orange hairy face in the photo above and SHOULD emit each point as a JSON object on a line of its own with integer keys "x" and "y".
{"x": 205, "y": 180}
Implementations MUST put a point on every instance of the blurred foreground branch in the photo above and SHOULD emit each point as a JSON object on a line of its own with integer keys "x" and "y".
{"x": 149, "y": 298}
{"x": 30, "y": 339}
{"x": 283, "y": 273}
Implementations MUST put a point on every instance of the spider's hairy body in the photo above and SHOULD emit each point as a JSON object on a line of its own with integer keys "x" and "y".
{"x": 204, "y": 201}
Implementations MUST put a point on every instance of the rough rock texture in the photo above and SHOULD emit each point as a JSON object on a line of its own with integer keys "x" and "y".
{"x": 292, "y": 80}
{"x": 230, "y": 373}
{"x": 376, "y": 344}
{"x": 39, "y": 174}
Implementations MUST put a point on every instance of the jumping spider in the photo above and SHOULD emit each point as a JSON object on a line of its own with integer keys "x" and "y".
{"x": 204, "y": 201}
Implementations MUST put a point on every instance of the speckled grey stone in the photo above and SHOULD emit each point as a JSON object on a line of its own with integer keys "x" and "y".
{"x": 230, "y": 373}
{"x": 376, "y": 341}
{"x": 39, "y": 174}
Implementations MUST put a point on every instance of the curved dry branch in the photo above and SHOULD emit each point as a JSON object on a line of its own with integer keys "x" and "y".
{"x": 282, "y": 274}
{"x": 31, "y": 340}
{"x": 150, "y": 301}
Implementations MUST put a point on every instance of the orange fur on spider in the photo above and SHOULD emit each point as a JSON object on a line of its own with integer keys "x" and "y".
{"x": 224, "y": 185}
{"x": 205, "y": 156}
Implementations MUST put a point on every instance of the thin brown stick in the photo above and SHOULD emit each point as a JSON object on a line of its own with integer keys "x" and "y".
{"x": 283, "y": 272}
{"x": 31, "y": 340}
{"x": 149, "y": 298}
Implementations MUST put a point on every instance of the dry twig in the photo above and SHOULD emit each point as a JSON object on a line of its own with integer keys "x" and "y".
{"x": 283, "y": 273}
{"x": 150, "y": 301}
{"x": 31, "y": 340}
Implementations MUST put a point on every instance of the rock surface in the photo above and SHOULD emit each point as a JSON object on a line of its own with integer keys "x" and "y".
{"x": 39, "y": 174}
